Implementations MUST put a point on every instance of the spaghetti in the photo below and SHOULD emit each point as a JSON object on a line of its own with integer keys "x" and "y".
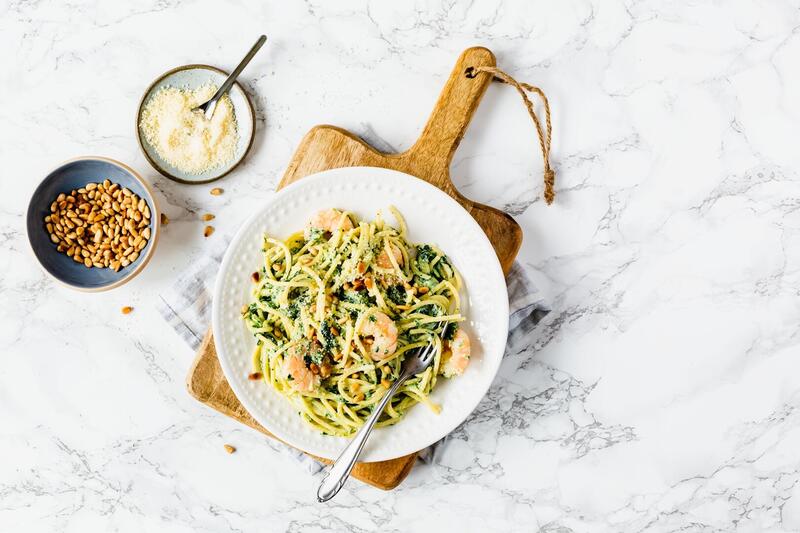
{"x": 336, "y": 308}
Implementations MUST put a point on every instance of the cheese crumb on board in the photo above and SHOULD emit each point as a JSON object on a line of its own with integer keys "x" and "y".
{"x": 184, "y": 138}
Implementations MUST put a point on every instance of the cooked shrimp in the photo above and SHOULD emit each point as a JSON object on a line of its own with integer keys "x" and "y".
{"x": 456, "y": 358}
{"x": 298, "y": 375}
{"x": 383, "y": 332}
{"x": 328, "y": 220}
{"x": 383, "y": 260}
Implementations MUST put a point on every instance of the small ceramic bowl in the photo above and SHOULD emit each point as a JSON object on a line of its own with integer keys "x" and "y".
{"x": 191, "y": 77}
{"x": 75, "y": 174}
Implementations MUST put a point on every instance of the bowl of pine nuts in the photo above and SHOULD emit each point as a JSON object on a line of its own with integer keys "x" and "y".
{"x": 93, "y": 223}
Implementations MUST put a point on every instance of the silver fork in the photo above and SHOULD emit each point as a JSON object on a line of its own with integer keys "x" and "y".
{"x": 339, "y": 472}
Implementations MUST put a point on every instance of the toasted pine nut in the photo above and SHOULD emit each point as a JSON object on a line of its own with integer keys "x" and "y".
{"x": 100, "y": 212}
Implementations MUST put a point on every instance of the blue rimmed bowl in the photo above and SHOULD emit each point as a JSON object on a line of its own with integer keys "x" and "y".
{"x": 75, "y": 174}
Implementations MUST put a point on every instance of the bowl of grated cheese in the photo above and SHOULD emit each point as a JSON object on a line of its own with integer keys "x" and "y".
{"x": 180, "y": 142}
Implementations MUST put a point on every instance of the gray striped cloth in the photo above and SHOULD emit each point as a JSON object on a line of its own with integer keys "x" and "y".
{"x": 186, "y": 306}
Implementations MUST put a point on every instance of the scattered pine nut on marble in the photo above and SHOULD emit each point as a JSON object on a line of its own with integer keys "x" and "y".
{"x": 164, "y": 219}
{"x": 127, "y": 310}
{"x": 216, "y": 191}
{"x": 208, "y": 216}
{"x": 208, "y": 231}
{"x": 229, "y": 448}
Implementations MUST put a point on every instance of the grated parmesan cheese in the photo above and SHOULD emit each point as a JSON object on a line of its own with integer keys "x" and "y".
{"x": 184, "y": 138}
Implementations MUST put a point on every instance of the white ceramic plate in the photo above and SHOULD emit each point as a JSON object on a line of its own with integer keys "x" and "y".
{"x": 191, "y": 77}
{"x": 432, "y": 216}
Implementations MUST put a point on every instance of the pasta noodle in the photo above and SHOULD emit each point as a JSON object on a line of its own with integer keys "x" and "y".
{"x": 337, "y": 307}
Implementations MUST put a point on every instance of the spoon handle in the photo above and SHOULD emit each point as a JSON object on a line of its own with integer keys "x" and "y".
{"x": 337, "y": 475}
{"x": 239, "y": 68}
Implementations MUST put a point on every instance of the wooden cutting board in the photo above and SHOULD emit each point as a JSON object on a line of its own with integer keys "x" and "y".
{"x": 326, "y": 147}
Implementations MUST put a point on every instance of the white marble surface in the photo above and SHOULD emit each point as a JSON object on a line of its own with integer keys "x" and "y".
{"x": 661, "y": 394}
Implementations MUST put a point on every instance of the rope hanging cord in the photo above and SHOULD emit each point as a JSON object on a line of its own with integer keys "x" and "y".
{"x": 544, "y": 135}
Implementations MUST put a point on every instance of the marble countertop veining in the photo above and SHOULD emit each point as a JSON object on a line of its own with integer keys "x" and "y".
{"x": 662, "y": 393}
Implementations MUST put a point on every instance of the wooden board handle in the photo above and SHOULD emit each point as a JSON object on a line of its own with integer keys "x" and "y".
{"x": 451, "y": 116}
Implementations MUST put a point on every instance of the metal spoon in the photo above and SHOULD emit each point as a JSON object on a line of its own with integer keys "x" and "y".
{"x": 339, "y": 472}
{"x": 209, "y": 107}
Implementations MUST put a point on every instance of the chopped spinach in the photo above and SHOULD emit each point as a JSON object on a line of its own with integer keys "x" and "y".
{"x": 328, "y": 338}
{"x": 452, "y": 328}
{"x": 443, "y": 270}
{"x": 430, "y": 310}
{"x": 300, "y": 295}
{"x": 425, "y": 256}
{"x": 397, "y": 294}
{"x": 425, "y": 281}
{"x": 270, "y": 297}
{"x": 357, "y": 297}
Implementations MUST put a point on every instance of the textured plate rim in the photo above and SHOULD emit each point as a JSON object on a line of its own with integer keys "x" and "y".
{"x": 155, "y": 164}
{"x": 232, "y": 378}
{"x": 155, "y": 223}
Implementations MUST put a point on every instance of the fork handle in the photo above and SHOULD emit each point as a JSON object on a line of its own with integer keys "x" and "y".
{"x": 226, "y": 85}
{"x": 338, "y": 473}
